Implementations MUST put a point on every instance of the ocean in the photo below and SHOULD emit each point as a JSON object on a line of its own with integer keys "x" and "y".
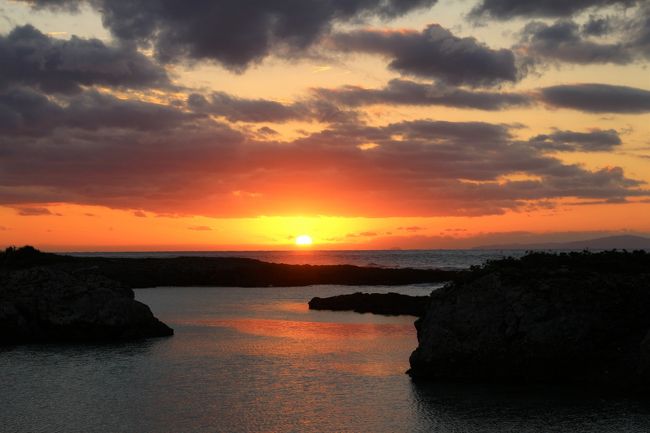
{"x": 258, "y": 360}
{"x": 419, "y": 259}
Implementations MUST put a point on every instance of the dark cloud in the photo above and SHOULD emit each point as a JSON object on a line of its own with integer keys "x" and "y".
{"x": 569, "y": 141}
{"x": 245, "y": 110}
{"x": 200, "y": 228}
{"x": 443, "y": 131}
{"x": 94, "y": 110}
{"x": 411, "y": 228}
{"x": 323, "y": 104}
{"x": 66, "y": 5}
{"x": 434, "y": 53}
{"x": 265, "y": 131}
{"x": 621, "y": 37}
{"x": 506, "y": 9}
{"x": 24, "y": 111}
{"x": 403, "y": 92}
{"x": 111, "y": 165}
{"x": 639, "y": 34}
{"x": 230, "y": 32}
{"x": 563, "y": 41}
{"x": 361, "y": 235}
{"x": 29, "y": 57}
{"x": 34, "y": 211}
{"x": 263, "y": 110}
{"x": 200, "y": 166}
{"x": 598, "y": 98}
{"x": 597, "y": 26}
{"x": 63, "y": 142}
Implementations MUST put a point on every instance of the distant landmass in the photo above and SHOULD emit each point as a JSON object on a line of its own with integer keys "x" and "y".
{"x": 624, "y": 242}
{"x": 190, "y": 271}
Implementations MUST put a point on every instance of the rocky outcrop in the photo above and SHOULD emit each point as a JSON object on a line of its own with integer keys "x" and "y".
{"x": 390, "y": 304}
{"x": 243, "y": 272}
{"x": 42, "y": 304}
{"x": 219, "y": 271}
{"x": 576, "y": 317}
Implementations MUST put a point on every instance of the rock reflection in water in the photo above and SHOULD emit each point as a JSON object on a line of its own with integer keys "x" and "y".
{"x": 250, "y": 360}
{"x": 496, "y": 408}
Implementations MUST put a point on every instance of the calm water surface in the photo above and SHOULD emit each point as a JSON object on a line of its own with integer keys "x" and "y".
{"x": 259, "y": 360}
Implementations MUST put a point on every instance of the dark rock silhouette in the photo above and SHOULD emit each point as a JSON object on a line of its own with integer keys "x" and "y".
{"x": 577, "y": 317}
{"x": 42, "y": 304}
{"x": 221, "y": 271}
{"x": 28, "y": 256}
{"x": 629, "y": 242}
{"x": 390, "y": 304}
{"x": 240, "y": 272}
{"x": 50, "y": 297}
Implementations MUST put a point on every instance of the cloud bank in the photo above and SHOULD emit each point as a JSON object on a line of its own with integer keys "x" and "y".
{"x": 506, "y": 9}
{"x": 434, "y": 53}
{"x": 29, "y": 57}
{"x": 598, "y": 98}
{"x": 195, "y": 165}
{"x": 227, "y": 31}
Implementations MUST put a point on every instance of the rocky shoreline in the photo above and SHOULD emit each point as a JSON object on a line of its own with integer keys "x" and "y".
{"x": 568, "y": 318}
{"x": 44, "y": 305}
{"x": 225, "y": 271}
{"x": 48, "y": 297}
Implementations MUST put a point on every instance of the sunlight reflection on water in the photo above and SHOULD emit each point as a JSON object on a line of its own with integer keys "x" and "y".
{"x": 257, "y": 359}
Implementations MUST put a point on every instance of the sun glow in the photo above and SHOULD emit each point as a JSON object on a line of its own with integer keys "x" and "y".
{"x": 304, "y": 240}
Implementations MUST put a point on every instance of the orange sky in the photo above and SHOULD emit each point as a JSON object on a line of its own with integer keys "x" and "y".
{"x": 93, "y": 228}
{"x": 376, "y": 128}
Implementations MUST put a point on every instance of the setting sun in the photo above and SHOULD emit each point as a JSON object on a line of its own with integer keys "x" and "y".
{"x": 271, "y": 189}
{"x": 304, "y": 240}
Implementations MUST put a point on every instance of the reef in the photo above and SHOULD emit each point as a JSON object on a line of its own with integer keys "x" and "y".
{"x": 390, "y": 304}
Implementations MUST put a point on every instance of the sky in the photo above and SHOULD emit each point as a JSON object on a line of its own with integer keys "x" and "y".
{"x": 363, "y": 124}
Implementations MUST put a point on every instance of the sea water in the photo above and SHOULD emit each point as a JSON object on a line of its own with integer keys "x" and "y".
{"x": 419, "y": 259}
{"x": 258, "y": 360}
